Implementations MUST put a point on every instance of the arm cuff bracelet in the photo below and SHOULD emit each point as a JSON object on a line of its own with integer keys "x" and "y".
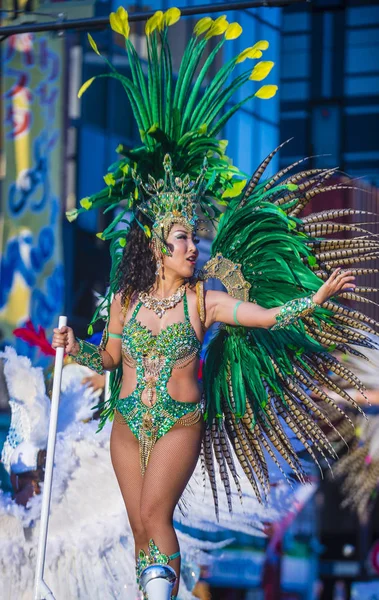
{"x": 89, "y": 356}
{"x": 294, "y": 310}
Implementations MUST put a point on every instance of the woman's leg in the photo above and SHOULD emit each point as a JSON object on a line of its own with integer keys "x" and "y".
{"x": 171, "y": 464}
{"x": 126, "y": 463}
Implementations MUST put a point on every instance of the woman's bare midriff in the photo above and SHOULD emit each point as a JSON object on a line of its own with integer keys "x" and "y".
{"x": 182, "y": 386}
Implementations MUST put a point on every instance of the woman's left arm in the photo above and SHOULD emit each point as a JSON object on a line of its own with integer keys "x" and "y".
{"x": 220, "y": 307}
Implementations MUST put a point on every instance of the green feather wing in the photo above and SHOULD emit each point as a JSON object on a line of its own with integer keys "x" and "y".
{"x": 257, "y": 382}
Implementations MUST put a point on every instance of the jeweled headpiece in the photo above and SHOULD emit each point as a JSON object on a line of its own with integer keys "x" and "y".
{"x": 171, "y": 200}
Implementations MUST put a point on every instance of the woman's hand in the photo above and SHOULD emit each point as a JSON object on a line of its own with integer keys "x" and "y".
{"x": 65, "y": 338}
{"x": 339, "y": 281}
{"x": 96, "y": 382}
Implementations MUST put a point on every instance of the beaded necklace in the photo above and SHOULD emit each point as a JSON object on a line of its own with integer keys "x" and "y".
{"x": 160, "y": 305}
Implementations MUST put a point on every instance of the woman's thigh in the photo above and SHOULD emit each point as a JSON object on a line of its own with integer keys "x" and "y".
{"x": 126, "y": 463}
{"x": 171, "y": 464}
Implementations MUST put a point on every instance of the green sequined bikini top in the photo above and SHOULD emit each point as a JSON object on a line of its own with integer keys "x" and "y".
{"x": 173, "y": 347}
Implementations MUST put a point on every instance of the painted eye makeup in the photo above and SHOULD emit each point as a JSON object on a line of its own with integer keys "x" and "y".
{"x": 184, "y": 236}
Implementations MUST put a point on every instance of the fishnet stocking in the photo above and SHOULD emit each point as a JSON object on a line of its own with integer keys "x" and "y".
{"x": 150, "y": 501}
{"x": 170, "y": 467}
{"x": 125, "y": 459}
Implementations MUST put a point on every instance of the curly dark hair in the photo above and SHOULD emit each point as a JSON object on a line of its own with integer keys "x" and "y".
{"x": 136, "y": 272}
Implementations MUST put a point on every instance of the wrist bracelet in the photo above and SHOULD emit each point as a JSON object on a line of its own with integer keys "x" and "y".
{"x": 105, "y": 337}
{"x": 89, "y": 356}
{"x": 235, "y": 312}
{"x": 293, "y": 310}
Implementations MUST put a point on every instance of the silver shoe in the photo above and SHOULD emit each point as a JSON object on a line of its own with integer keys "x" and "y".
{"x": 157, "y": 581}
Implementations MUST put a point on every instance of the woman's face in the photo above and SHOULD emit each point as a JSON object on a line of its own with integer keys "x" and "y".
{"x": 182, "y": 245}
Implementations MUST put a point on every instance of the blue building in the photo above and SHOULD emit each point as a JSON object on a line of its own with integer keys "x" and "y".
{"x": 329, "y": 93}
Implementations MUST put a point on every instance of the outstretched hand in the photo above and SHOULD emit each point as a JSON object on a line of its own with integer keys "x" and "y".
{"x": 339, "y": 281}
{"x": 65, "y": 338}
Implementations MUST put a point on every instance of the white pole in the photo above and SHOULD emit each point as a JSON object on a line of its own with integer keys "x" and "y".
{"x": 41, "y": 590}
{"x": 107, "y": 387}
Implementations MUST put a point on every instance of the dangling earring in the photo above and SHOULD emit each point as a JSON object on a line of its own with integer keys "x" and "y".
{"x": 159, "y": 264}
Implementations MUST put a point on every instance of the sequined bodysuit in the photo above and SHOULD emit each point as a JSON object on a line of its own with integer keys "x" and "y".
{"x": 154, "y": 357}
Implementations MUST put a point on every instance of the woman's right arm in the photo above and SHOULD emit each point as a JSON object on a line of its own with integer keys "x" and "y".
{"x": 110, "y": 356}
{"x": 220, "y": 307}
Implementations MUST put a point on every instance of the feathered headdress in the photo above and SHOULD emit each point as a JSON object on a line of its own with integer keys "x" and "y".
{"x": 180, "y": 169}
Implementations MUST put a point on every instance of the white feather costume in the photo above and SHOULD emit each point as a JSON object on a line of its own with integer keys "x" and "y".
{"x": 90, "y": 549}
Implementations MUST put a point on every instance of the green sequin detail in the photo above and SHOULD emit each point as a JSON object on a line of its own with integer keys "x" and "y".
{"x": 153, "y": 557}
{"x": 89, "y": 356}
{"x": 294, "y": 310}
{"x": 157, "y": 557}
{"x": 172, "y": 346}
{"x": 173, "y": 410}
{"x": 143, "y": 561}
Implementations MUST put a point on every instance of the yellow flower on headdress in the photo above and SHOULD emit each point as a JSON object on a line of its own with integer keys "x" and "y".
{"x": 202, "y": 26}
{"x": 86, "y": 203}
{"x": 109, "y": 179}
{"x": 234, "y": 191}
{"x": 153, "y": 128}
{"x": 223, "y": 144}
{"x": 233, "y": 32}
{"x": 155, "y": 22}
{"x": 93, "y": 44}
{"x": 119, "y": 21}
{"x": 261, "y": 45}
{"x": 125, "y": 169}
{"x": 219, "y": 26}
{"x": 85, "y": 86}
{"x": 171, "y": 16}
{"x": 266, "y": 92}
{"x": 253, "y": 52}
{"x": 71, "y": 215}
{"x": 220, "y": 19}
{"x": 261, "y": 70}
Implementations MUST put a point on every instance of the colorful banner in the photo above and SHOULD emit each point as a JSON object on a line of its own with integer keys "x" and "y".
{"x": 31, "y": 269}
